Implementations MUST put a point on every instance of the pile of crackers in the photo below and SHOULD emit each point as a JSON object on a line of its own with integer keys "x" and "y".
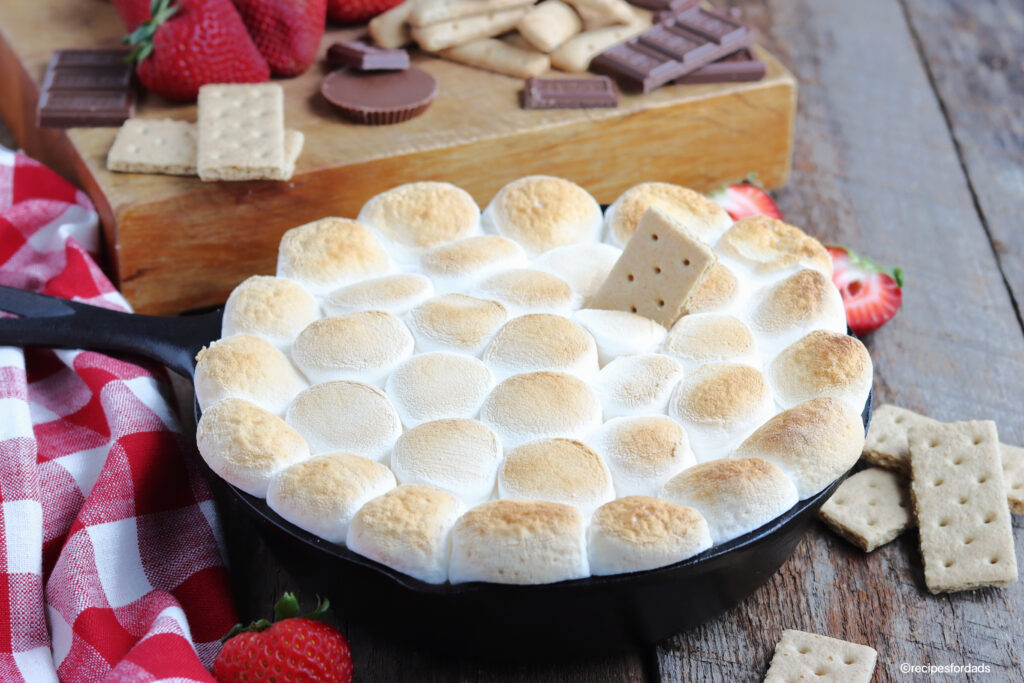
{"x": 955, "y": 481}
{"x": 565, "y": 34}
{"x": 240, "y": 135}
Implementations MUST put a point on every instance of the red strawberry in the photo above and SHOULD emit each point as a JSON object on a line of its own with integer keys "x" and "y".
{"x": 745, "y": 200}
{"x": 871, "y": 293}
{"x": 287, "y": 33}
{"x": 189, "y": 43}
{"x": 355, "y": 11}
{"x": 292, "y": 649}
{"x": 133, "y": 12}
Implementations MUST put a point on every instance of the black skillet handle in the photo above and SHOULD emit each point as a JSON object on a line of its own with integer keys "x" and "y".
{"x": 52, "y": 322}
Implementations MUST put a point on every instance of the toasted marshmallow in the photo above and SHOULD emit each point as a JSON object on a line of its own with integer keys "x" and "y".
{"x": 718, "y": 291}
{"x": 619, "y": 333}
{"x": 559, "y": 470}
{"x": 408, "y": 529}
{"x": 767, "y": 245}
{"x": 786, "y": 311}
{"x": 456, "y": 322}
{"x": 272, "y": 308}
{"x": 328, "y": 253}
{"x": 584, "y": 266}
{"x": 719, "y": 405}
{"x": 703, "y": 338}
{"x": 542, "y": 341}
{"x": 431, "y": 386}
{"x": 637, "y": 385}
{"x": 519, "y": 542}
{"x": 246, "y": 367}
{"x": 247, "y": 445}
{"x": 394, "y": 294}
{"x": 541, "y": 212}
{"x": 813, "y": 443}
{"x": 460, "y": 456}
{"x": 414, "y": 217}
{"x": 637, "y": 532}
{"x": 459, "y": 266}
{"x": 345, "y": 416}
{"x": 703, "y": 218}
{"x": 822, "y": 364}
{"x": 525, "y": 291}
{"x": 735, "y": 495}
{"x": 643, "y": 453}
{"x": 535, "y": 405}
{"x": 321, "y": 495}
{"x": 362, "y": 346}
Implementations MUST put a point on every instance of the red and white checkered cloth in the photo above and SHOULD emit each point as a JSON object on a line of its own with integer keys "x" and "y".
{"x": 112, "y": 567}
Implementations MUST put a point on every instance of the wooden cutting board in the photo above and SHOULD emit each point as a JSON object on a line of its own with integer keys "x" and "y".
{"x": 175, "y": 244}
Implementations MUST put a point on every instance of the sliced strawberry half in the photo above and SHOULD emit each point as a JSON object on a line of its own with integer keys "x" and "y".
{"x": 872, "y": 294}
{"x": 746, "y": 200}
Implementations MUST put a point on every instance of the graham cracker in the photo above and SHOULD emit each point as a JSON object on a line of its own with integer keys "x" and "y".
{"x": 163, "y": 146}
{"x": 241, "y": 131}
{"x": 661, "y": 264}
{"x": 293, "y": 141}
{"x": 500, "y": 57}
{"x": 436, "y": 37}
{"x": 870, "y": 508}
{"x": 886, "y": 442}
{"x": 1013, "y": 476}
{"x": 807, "y": 656}
{"x": 960, "y": 503}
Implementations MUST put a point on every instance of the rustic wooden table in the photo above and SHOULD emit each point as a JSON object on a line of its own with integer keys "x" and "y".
{"x": 910, "y": 148}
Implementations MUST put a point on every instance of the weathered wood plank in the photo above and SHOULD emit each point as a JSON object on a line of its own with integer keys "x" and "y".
{"x": 975, "y": 58}
{"x": 875, "y": 168}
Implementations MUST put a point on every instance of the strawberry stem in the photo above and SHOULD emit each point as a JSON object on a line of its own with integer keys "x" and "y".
{"x": 285, "y": 608}
{"x": 141, "y": 39}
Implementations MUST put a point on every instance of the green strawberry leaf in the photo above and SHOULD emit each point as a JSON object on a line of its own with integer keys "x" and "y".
{"x": 285, "y": 608}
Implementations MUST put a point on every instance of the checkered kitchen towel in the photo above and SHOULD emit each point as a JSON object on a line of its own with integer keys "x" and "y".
{"x": 108, "y": 537}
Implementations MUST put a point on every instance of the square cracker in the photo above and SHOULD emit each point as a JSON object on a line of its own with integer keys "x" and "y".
{"x": 293, "y": 141}
{"x": 1013, "y": 476}
{"x": 154, "y": 146}
{"x": 661, "y": 264}
{"x": 960, "y": 503}
{"x": 241, "y": 131}
{"x": 870, "y": 508}
{"x": 886, "y": 442}
{"x": 807, "y": 656}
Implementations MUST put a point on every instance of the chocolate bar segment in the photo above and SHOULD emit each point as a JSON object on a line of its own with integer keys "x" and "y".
{"x": 665, "y": 5}
{"x": 86, "y": 88}
{"x": 365, "y": 57}
{"x": 738, "y": 67}
{"x": 667, "y": 51}
{"x": 570, "y": 93}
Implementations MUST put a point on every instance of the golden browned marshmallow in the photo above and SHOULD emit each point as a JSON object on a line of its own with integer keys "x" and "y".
{"x": 822, "y": 364}
{"x": 519, "y": 542}
{"x": 714, "y": 293}
{"x": 246, "y": 367}
{"x": 543, "y": 212}
{"x": 643, "y": 452}
{"x": 703, "y": 338}
{"x": 767, "y": 245}
{"x": 269, "y": 307}
{"x": 431, "y": 386}
{"x": 458, "y": 266}
{"x": 525, "y": 290}
{"x": 786, "y": 311}
{"x": 813, "y": 443}
{"x": 456, "y": 322}
{"x": 328, "y": 253}
{"x": 702, "y": 217}
{"x": 408, "y": 529}
{"x": 246, "y": 445}
{"x": 394, "y": 294}
{"x": 322, "y": 494}
{"x": 365, "y": 346}
{"x": 637, "y": 385}
{"x": 635, "y": 533}
{"x": 559, "y": 470}
{"x": 535, "y": 405}
{"x": 735, "y": 495}
{"x": 345, "y": 416}
{"x": 583, "y": 266}
{"x": 414, "y": 217}
{"x": 542, "y": 341}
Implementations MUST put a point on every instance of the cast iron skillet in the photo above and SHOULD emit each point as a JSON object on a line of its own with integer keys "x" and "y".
{"x": 481, "y": 619}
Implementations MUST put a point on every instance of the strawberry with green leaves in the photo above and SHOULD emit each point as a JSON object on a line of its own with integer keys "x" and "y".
{"x": 872, "y": 294}
{"x": 745, "y": 200}
{"x": 293, "y": 648}
{"x": 188, "y": 43}
{"x": 287, "y": 34}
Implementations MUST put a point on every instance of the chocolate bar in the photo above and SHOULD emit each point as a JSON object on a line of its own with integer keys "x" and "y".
{"x": 366, "y": 57}
{"x": 665, "y": 5}
{"x": 570, "y": 93}
{"x": 738, "y": 67}
{"x": 667, "y": 51}
{"x": 84, "y": 88}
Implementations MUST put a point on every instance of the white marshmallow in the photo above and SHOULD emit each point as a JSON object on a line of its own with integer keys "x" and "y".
{"x": 431, "y": 386}
{"x": 536, "y": 405}
{"x": 702, "y": 217}
{"x": 637, "y": 385}
{"x": 559, "y": 470}
{"x": 329, "y": 253}
{"x": 362, "y": 346}
{"x": 394, "y": 294}
{"x": 703, "y": 338}
{"x": 584, "y": 266}
{"x": 619, "y": 333}
{"x": 542, "y": 341}
{"x": 642, "y": 453}
{"x": 524, "y": 291}
{"x": 459, "y": 266}
{"x": 345, "y": 416}
{"x": 272, "y": 308}
{"x": 542, "y": 212}
{"x": 246, "y": 367}
{"x": 456, "y": 322}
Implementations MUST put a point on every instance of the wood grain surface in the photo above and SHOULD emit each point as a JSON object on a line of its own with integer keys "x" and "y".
{"x": 908, "y": 148}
